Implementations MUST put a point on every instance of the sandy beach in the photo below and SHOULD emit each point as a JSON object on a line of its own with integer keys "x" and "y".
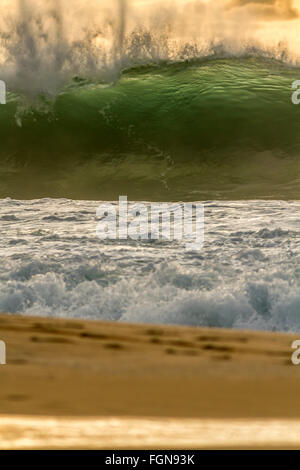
{"x": 143, "y": 386}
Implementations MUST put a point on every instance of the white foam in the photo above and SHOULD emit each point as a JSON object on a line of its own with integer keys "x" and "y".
{"x": 54, "y": 265}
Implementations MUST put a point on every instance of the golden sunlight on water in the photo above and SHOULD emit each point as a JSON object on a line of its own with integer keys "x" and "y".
{"x": 21, "y": 432}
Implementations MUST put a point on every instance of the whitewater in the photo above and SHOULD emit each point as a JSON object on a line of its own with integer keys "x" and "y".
{"x": 246, "y": 276}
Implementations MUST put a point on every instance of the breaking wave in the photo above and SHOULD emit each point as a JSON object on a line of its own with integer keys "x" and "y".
{"x": 216, "y": 127}
{"x": 115, "y": 100}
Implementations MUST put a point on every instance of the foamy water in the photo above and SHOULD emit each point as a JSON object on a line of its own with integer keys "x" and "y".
{"x": 246, "y": 276}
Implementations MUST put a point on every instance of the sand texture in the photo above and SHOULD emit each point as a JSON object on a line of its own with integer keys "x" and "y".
{"x": 239, "y": 387}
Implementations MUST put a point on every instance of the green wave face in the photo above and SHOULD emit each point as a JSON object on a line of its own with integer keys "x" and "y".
{"x": 216, "y": 128}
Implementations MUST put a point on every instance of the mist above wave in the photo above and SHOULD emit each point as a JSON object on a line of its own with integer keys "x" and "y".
{"x": 46, "y": 44}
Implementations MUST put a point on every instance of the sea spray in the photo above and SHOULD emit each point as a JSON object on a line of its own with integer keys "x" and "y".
{"x": 165, "y": 101}
{"x": 45, "y": 44}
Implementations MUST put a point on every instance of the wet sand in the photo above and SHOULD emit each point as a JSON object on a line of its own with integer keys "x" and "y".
{"x": 174, "y": 387}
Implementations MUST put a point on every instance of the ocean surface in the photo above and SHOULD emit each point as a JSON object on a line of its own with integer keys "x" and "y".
{"x": 246, "y": 276}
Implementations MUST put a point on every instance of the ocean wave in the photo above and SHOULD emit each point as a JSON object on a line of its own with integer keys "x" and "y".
{"x": 119, "y": 98}
{"x": 212, "y": 128}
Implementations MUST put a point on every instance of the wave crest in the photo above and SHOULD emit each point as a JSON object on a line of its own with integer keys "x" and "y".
{"x": 44, "y": 45}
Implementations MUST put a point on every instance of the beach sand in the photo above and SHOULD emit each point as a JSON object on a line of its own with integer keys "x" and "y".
{"x": 86, "y": 384}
